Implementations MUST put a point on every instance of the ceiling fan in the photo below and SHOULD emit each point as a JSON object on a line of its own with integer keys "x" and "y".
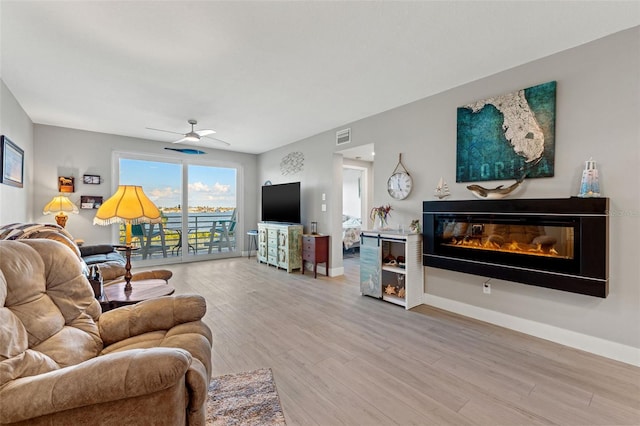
{"x": 193, "y": 135}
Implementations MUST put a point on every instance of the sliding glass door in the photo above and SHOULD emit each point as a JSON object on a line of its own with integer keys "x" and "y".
{"x": 198, "y": 203}
{"x": 212, "y": 212}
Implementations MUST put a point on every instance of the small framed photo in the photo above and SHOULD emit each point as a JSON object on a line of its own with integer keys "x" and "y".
{"x": 12, "y": 162}
{"x": 90, "y": 202}
{"x": 91, "y": 179}
{"x": 66, "y": 184}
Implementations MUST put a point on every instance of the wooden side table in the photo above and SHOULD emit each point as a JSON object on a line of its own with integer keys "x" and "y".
{"x": 315, "y": 248}
{"x": 114, "y": 295}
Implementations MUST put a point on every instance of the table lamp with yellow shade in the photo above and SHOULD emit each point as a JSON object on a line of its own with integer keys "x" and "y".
{"x": 129, "y": 205}
{"x": 60, "y": 204}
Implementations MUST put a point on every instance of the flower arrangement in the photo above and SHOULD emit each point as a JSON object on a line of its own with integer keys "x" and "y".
{"x": 382, "y": 213}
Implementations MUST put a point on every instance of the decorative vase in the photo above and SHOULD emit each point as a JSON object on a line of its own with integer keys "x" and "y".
{"x": 379, "y": 223}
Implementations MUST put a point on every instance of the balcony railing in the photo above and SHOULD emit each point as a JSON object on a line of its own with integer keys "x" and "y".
{"x": 199, "y": 236}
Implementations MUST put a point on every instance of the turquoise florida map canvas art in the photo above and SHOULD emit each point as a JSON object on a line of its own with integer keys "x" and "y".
{"x": 507, "y": 137}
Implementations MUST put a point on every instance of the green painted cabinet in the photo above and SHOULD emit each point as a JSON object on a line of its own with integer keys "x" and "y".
{"x": 280, "y": 245}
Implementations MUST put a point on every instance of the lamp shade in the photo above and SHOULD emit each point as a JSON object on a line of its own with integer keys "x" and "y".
{"x": 59, "y": 204}
{"x": 128, "y": 205}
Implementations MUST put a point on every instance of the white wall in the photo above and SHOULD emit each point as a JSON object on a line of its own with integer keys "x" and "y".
{"x": 69, "y": 152}
{"x": 316, "y": 179}
{"x": 16, "y": 203}
{"x": 321, "y": 170}
{"x": 597, "y": 112}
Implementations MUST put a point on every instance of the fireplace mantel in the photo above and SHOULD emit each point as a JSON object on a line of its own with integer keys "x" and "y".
{"x": 555, "y": 243}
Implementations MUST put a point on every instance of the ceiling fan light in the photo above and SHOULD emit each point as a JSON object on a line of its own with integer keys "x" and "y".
{"x": 191, "y": 137}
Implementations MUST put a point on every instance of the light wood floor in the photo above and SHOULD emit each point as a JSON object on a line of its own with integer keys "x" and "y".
{"x": 339, "y": 358}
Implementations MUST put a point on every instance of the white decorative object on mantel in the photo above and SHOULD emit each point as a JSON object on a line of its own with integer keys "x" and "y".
{"x": 292, "y": 163}
{"x": 442, "y": 190}
{"x": 589, "y": 186}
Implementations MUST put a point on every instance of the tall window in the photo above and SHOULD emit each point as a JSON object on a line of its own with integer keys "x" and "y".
{"x": 198, "y": 205}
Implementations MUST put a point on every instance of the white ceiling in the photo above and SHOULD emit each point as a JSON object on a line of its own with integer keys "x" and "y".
{"x": 265, "y": 74}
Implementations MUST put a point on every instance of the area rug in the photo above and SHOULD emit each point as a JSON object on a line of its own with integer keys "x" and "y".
{"x": 249, "y": 398}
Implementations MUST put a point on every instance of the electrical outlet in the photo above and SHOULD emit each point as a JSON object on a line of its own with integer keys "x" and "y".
{"x": 486, "y": 288}
{"x": 323, "y": 207}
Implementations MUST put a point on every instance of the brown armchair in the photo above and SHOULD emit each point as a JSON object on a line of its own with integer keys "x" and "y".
{"x": 64, "y": 362}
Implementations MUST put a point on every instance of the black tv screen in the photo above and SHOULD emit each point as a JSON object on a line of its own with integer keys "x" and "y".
{"x": 281, "y": 203}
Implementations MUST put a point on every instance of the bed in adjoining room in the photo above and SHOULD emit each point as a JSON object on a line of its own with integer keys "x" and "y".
{"x": 351, "y": 227}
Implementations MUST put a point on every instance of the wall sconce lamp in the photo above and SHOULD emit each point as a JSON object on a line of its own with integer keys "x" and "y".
{"x": 60, "y": 205}
{"x": 129, "y": 205}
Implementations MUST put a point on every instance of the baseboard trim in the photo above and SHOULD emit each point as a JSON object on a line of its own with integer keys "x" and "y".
{"x": 594, "y": 345}
{"x": 322, "y": 270}
{"x": 336, "y": 272}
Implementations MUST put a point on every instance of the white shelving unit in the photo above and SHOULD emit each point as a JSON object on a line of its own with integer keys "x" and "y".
{"x": 401, "y": 283}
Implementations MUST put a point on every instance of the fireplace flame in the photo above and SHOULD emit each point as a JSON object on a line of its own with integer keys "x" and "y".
{"x": 492, "y": 245}
{"x": 513, "y": 246}
{"x": 539, "y": 248}
{"x": 474, "y": 242}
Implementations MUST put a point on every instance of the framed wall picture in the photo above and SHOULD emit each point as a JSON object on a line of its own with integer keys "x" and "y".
{"x": 509, "y": 136}
{"x": 66, "y": 184}
{"x": 91, "y": 179}
{"x": 90, "y": 202}
{"x": 12, "y": 161}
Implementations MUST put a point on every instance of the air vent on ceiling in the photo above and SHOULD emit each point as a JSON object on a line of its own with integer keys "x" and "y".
{"x": 343, "y": 136}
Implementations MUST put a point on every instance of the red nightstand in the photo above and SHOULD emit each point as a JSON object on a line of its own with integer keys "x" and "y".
{"x": 315, "y": 248}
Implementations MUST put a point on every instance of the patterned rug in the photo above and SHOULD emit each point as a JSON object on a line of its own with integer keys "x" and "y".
{"x": 247, "y": 398}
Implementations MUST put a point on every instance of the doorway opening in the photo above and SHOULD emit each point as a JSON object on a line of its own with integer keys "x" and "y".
{"x": 352, "y": 210}
{"x": 357, "y": 178}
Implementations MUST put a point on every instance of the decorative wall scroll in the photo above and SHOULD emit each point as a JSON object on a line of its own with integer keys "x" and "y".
{"x": 292, "y": 163}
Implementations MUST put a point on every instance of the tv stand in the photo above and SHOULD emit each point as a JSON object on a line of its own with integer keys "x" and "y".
{"x": 280, "y": 245}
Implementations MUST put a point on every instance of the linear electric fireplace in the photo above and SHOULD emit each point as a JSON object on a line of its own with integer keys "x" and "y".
{"x": 555, "y": 243}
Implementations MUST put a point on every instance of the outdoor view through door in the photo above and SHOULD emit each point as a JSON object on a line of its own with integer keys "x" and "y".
{"x": 206, "y": 227}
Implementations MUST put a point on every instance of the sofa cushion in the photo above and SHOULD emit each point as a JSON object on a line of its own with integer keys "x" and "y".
{"x": 57, "y": 236}
{"x": 111, "y": 270}
{"x": 13, "y": 335}
{"x": 94, "y": 249}
{"x": 101, "y": 253}
{"x": 113, "y": 256}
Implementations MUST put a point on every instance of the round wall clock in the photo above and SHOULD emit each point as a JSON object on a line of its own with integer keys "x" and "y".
{"x": 400, "y": 183}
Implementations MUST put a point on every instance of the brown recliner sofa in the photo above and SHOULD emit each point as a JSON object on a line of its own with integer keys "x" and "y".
{"x": 64, "y": 362}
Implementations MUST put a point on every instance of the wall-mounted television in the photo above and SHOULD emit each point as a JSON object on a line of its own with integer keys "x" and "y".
{"x": 281, "y": 203}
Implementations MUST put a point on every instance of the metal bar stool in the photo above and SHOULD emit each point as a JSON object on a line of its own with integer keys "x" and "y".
{"x": 252, "y": 237}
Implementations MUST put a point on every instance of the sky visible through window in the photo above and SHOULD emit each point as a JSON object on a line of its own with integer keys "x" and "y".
{"x": 209, "y": 187}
